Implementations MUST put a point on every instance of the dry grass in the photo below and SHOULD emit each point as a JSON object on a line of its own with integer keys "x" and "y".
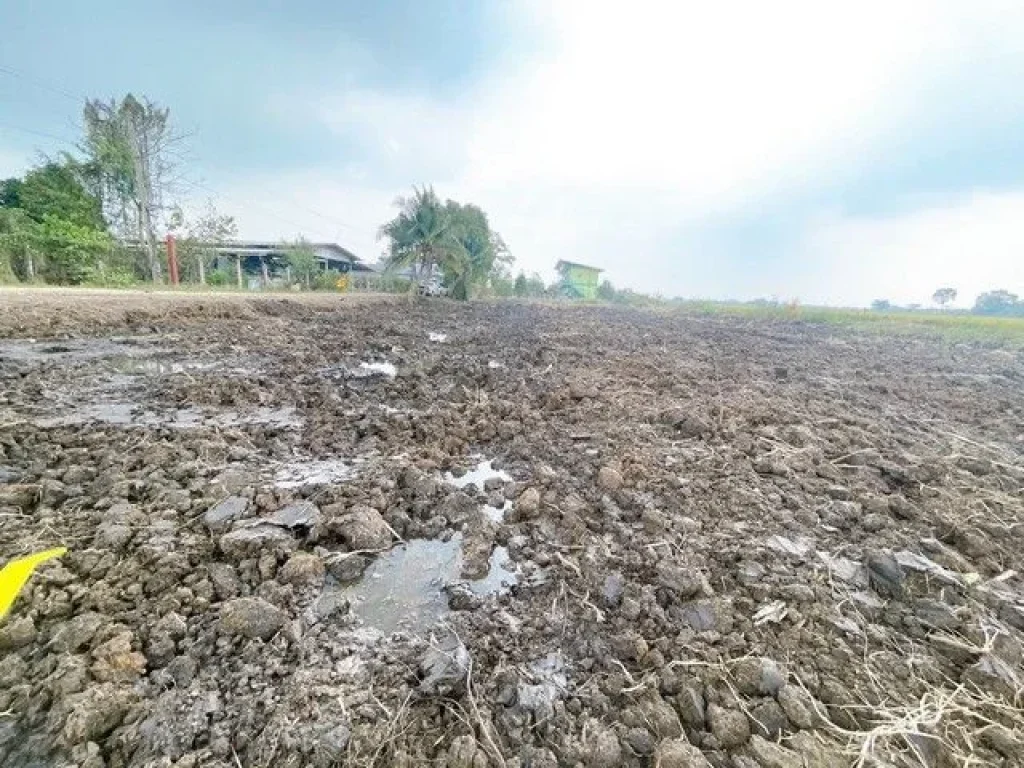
{"x": 951, "y": 719}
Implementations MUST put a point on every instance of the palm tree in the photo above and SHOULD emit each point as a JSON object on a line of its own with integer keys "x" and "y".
{"x": 422, "y": 236}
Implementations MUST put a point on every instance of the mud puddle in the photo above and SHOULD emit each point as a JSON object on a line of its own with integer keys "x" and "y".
{"x": 148, "y": 366}
{"x": 497, "y": 514}
{"x": 315, "y": 472}
{"x": 478, "y": 476}
{"x": 369, "y": 370}
{"x": 403, "y": 589}
{"x": 72, "y": 350}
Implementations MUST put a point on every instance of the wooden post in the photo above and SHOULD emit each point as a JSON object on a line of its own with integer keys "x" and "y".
{"x": 201, "y": 263}
{"x": 238, "y": 269}
{"x": 263, "y": 270}
{"x": 172, "y": 259}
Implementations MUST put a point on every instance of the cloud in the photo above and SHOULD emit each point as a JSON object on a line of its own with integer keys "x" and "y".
{"x": 713, "y": 102}
{"x": 399, "y": 134}
{"x": 642, "y": 121}
{"x": 973, "y": 244}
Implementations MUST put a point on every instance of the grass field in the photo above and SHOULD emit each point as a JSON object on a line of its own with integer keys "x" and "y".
{"x": 954, "y": 326}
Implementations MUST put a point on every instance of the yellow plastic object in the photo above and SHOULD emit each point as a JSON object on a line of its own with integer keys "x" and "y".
{"x": 16, "y": 573}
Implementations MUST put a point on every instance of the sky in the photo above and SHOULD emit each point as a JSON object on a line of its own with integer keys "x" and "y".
{"x": 833, "y": 153}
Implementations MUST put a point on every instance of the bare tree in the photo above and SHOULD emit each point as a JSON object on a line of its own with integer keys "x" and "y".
{"x": 128, "y": 147}
{"x": 200, "y": 236}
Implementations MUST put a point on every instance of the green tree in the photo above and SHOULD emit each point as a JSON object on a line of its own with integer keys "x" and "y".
{"x": 606, "y": 291}
{"x": 302, "y": 261}
{"x": 55, "y": 189}
{"x": 535, "y": 287}
{"x": 15, "y": 250}
{"x": 72, "y": 251}
{"x": 422, "y": 236}
{"x": 881, "y": 305}
{"x": 56, "y": 231}
{"x": 502, "y": 284}
{"x": 944, "y": 296}
{"x": 998, "y": 302}
{"x": 520, "y": 288}
{"x": 484, "y": 256}
{"x": 455, "y": 238}
{"x": 10, "y": 193}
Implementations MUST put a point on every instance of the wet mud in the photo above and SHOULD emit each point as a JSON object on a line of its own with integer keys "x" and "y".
{"x": 470, "y": 535}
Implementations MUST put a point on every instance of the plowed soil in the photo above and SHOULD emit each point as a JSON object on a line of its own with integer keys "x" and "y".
{"x": 699, "y": 541}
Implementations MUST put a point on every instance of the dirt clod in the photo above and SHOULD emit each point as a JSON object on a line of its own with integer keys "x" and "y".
{"x": 601, "y": 748}
{"x": 302, "y": 569}
{"x": 729, "y": 726}
{"x": 885, "y": 574}
{"x": 771, "y": 755}
{"x": 679, "y": 753}
{"x": 251, "y": 617}
{"x": 17, "y": 633}
{"x": 528, "y": 503}
{"x": 363, "y": 529}
{"x": 219, "y": 517}
{"x": 609, "y": 479}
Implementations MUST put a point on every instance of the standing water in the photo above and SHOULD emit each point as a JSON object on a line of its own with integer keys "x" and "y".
{"x": 403, "y": 589}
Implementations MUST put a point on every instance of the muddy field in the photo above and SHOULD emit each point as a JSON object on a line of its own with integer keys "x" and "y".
{"x": 392, "y": 534}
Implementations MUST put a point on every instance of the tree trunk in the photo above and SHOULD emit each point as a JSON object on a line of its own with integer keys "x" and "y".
{"x": 263, "y": 271}
{"x": 201, "y": 263}
{"x": 151, "y": 253}
{"x": 238, "y": 269}
{"x": 145, "y": 222}
{"x": 30, "y": 271}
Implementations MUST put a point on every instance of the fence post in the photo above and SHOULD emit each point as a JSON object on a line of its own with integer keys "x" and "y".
{"x": 172, "y": 259}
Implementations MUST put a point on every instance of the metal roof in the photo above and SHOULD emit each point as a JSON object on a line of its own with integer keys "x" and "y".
{"x": 257, "y": 247}
{"x": 563, "y": 262}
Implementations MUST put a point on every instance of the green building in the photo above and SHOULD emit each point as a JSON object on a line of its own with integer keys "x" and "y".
{"x": 578, "y": 281}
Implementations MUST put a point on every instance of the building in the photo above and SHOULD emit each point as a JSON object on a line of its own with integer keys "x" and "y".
{"x": 259, "y": 264}
{"x": 578, "y": 281}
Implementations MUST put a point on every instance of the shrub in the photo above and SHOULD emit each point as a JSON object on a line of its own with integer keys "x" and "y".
{"x": 110, "y": 277}
{"x": 327, "y": 280}
{"x": 220, "y": 277}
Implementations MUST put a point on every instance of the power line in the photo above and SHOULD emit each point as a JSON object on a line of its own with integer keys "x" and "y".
{"x": 221, "y": 196}
{"x": 42, "y": 84}
{"x": 42, "y": 134}
{"x": 333, "y": 220}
